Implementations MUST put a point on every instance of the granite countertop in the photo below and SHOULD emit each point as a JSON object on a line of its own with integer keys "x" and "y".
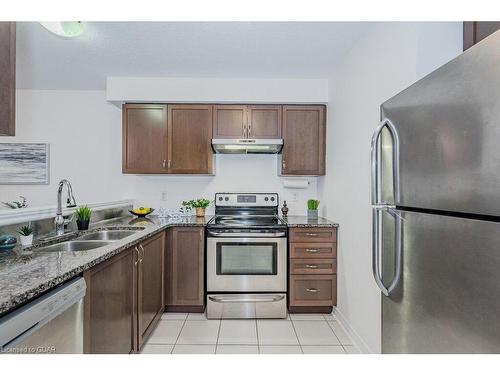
{"x": 23, "y": 277}
{"x": 304, "y": 222}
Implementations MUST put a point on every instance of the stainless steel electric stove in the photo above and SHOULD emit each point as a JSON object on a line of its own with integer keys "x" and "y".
{"x": 246, "y": 257}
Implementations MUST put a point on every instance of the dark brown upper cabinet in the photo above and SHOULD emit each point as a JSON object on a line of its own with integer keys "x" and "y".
{"x": 304, "y": 137}
{"x": 230, "y": 121}
{"x": 7, "y": 78}
{"x": 474, "y": 32}
{"x": 144, "y": 136}
{"x": 264, "y": 121}
{"x": 190, "y": 135}
{"x": 167, "y": 139}
{"x": 247, "y": 121}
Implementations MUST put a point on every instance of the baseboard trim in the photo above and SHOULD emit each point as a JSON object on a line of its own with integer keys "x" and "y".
{"x": 356, "y": 338}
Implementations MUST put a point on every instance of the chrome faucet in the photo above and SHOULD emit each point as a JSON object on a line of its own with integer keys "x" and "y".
{"x": 59, "y": 221}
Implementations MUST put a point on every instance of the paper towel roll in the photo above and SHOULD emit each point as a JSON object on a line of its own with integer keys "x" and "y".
{"x": 296, "y": 184}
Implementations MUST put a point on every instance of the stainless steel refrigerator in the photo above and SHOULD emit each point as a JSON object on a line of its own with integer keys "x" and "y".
{"x": 436, "y": 209}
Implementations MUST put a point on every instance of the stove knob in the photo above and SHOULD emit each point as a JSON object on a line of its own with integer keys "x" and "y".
{"x": 272, "y": 199}
{"x": 266, "y": 199}
{"x": 220, "y": 198}
{"x": 226, "y": 199}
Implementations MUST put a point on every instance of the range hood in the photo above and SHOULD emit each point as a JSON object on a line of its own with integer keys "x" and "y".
{"x": 247, "y": 146}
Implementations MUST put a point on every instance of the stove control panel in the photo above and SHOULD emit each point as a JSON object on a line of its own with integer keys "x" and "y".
{"x": 246, "y": 199}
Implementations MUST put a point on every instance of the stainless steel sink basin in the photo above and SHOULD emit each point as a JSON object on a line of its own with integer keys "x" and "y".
{"x": 107, "y": 235}
{"x": 74, "y": 246}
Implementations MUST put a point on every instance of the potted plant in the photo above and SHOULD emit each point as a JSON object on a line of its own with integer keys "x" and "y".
{"x": 83, "y": 217}
{"x": 312, "y": 209}
{"x": 26, "y": 235}
{"x": 199, "y": 204}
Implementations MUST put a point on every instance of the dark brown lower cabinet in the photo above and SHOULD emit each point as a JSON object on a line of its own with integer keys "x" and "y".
{"x": 184, "y": 269}
{"x": 124, "y": 298}
{"x": 150, "y": 286}
{"x": 312, "y": 286}
{"x": 109, "y": 305}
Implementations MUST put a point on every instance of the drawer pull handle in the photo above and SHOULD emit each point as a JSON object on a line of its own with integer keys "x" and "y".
{"x": 311, "y": 266}
{"x": 312, "y": 290}
{"x": 312, "y": 250}
{"x": 311, "y": 234}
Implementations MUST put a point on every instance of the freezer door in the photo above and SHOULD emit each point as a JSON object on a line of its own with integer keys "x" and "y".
{"x": 448, "y": 297}
{"x": 449, "y": 136}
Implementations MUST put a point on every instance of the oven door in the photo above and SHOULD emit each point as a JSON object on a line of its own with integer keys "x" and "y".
{"x": 245, "y": 264}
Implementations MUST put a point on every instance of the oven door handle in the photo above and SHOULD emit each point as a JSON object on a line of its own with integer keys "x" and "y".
{"x": 270, "y": 298}
{"x": 247, "y": 234}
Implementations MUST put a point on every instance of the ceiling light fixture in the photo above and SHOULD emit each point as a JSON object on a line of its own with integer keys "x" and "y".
{"x": 66, "y": 29}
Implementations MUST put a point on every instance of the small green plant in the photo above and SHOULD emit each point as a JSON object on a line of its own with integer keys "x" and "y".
{"x": 25, "y": 230}
{"x": 83, "y": 213}
{"x": 312, "y": 204}
{"x": 197, "y": 203}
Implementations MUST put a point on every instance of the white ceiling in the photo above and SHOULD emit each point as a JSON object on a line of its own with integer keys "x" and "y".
{"x": 181, "y": 49}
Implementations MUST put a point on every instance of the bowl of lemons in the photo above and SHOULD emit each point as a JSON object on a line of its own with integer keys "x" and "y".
{"x": 141, "y": 211}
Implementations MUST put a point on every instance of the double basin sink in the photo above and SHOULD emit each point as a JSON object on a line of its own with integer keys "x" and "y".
{"x": 90, "y": 241}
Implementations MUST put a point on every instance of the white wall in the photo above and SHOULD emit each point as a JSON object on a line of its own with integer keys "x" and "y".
{"x": 216, "y": 90}
{"x": 84, "y": 133}
{"x": 82, "y": 130}
{"x": 387, "y": 59}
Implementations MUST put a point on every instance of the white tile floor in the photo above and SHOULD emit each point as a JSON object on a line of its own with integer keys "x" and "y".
{"x": 179, "y": 333}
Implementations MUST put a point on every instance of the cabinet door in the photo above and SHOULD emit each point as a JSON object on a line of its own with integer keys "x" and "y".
{"x": 185, "y": 269}
{"x": 144, "y": 138}
{"x": 230, "y": 121}
{"x": 150, "y": 303}
{"x": 190, "y": 136}
{"x": 109, "y": 305}
{"x": 264, "y": 121}
{"x": 474, "y": 32}
{"x": 7, "y": 77}
{"x": 303, "y": 140}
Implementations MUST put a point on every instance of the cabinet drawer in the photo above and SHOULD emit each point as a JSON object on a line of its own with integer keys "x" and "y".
{"x": 313, "y": 235}
{"x": 313, "y": 267}
{"x": 313, "y": 250}
{"x": 313, "y": 290}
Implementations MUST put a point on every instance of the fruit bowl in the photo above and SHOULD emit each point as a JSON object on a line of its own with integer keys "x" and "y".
{"x": 141, "y": 211}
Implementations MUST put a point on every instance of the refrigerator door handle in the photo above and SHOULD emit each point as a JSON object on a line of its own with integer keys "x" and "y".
{"x": 397, "y": 269}
{"x": 375, "y": 184}
{"x": 398, "y": 244}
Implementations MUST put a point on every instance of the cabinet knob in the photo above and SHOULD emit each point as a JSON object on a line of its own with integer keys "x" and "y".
{"x": 283, "y": 164}
{"x": 164, "y": 163}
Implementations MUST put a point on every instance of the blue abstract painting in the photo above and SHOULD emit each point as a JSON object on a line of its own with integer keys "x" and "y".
{"x": 24, "y": 163}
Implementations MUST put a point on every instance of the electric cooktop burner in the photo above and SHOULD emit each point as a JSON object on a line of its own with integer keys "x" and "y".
{"x": 246, "y": 210}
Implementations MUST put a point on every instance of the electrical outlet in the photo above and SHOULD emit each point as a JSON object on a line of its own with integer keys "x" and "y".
{"x": 164, "y": 196}
{"x": 294, "y": 197}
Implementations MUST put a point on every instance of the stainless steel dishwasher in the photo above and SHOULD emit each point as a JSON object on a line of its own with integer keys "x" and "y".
{"x": 52, "y": 323}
